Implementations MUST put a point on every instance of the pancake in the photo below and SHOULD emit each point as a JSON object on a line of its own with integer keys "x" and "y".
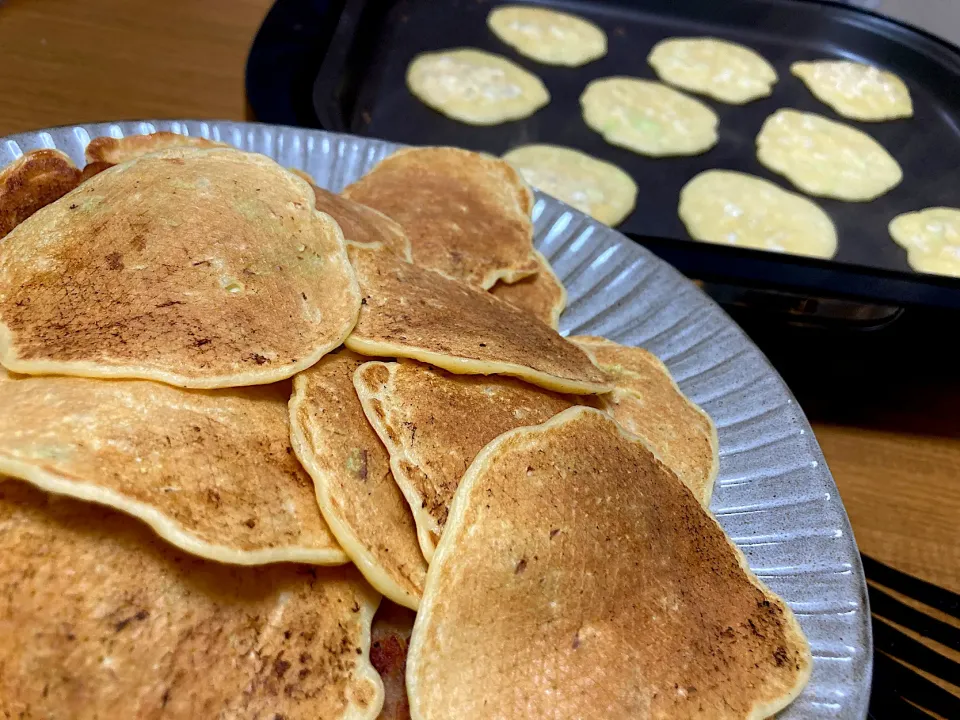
{"x": 548, "y": 36}
{"x": 351, "y": 472}
{"x": 119, "y": 150}
{"x": 33, "y": 181}
{"x": 648, "y": 117}
{"x": 221, "y": 275}
{"x": 931, "y": 238}
{"x": 434, "y": 424}
{"x": 648, "y": 403}
{"x": 210, "y": 472}
{"x": 359, "y": 223}
{"x": 726, "y": 71}
{"x": 467, "y": 214}
{"x": 475, "y": 87}
{"x": 101, "y": 619}
{"x": 854, "y": 90}
{"x": 826, "y": 158}
{"x": 409, "y": 312}
{"x": 598, "y": 188}
{"x": 390, "y": 638}
{"x": 542, "y": 295}
{"x": 94, "y": 168}
{"x": 577, "y": 577}
{"x": 731, "y": 208}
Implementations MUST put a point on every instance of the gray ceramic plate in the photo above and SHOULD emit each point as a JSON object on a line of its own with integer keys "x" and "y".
{"x": 775, "y": 496}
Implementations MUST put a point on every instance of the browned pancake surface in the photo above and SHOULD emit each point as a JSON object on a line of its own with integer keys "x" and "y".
{"x": 101, "y": 619}
{"x": 354, "y": 485}
{"x": 390, "y": 639}
{"x": 211, "y": 471}
{"x": 434, "y": 424}
{"x": 648, "y": 403}
{"x": 200, "y": 268}
{"x": 542, "y": 294}
{"x": 31, "y": 182}
{"x": 577, "y": 577}
{"x": 467, "y": 215}
{"x": 412, "y": 312}
{"x": 119, "y": 150}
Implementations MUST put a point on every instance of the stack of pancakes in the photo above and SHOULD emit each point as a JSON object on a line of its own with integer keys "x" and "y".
{"x": 239, "y": 409}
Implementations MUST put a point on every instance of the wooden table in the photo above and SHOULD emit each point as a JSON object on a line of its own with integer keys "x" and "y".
{"x": 69, "y": 61}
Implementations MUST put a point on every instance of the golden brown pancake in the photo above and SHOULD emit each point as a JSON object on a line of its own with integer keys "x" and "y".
{"x": 577, "y": 577}
{"x": 467, "y": 214}
{"x": 119, "y": 150}
{"x": 390, "y": 638}
{"x": 415, "y": 313}
{"x": 198, "y": 268}
{"x": 434, "y": 424}
{"x": 32, "y": 181}
{"x": 542, "y": 295}
{"x": 100, "y": 618}
{"x": 359, "y": 223}
{"x": 648, "y": 403}
{"x": 350, "y": 468}
{"x": 94, "y": 168}
{"x": 210, "y": 471}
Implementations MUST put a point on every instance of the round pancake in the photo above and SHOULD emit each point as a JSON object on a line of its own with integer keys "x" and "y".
{"x": 199, "y": 268}
{"x": 931, "y": 238}
{"x": 648, "y": 403}
{"x": 854, "y": 90}
{"x": 359, "y": 223}
{"x": 542, "y": 295}
{"x": 467, "y": 214}
{"x": 119, "y": 150}
{"x": 351, "y": 473}
{"x": 32, "y": 181}
{"x": 598, "y": 188}
{"x": 826, "y": 158}
{"x": 726, "y": 71}
{"x": 409, "y": 312}
{"x": 548, "y": 36}
{"x": 102, "y": 619}
{"x": 573, "y": 564}
{"x": 648, "y": 117}
{"x": 390, "y": 638}
{"x": 475, "y": 87}
{"x": 732, "y": 208}
{"x": 211, "y": 472}
{"x": 434, "y": 424}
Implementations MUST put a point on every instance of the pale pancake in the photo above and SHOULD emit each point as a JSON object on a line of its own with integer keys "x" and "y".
{"x": 119, "y": 150}
{"x": 351, "y": 472}
{"x": 467, "y": 214}
{"x": 726, "y": 71}
{"x": 390, "y": 638}
{"x": 577, "y": 577}
{"x": 415, "y": 313}
{"x": 931, "y": 238}
{"x": 475, "y": 87}
{"x": 854, "y": 90}
{"x": 648, "y": 117}
{"x": 826, "y": 158}
{"x": 210, "y": 471}
{"x": 100, "y": 619}
{"x": 548, "y": 36}
{"x": 648, "y": 403}
{"x": 359, "y": 223}
{"x": 598, "y": 188}
{"x": 198, "y": 268}
{"x": 731, "y": 208}
{"x": 434, "y": 424}
{"x": 33, "y": 181}
{"x": 542, "y": 295}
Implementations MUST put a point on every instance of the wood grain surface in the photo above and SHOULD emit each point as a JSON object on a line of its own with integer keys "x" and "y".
{"x": 69, "y": 61}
